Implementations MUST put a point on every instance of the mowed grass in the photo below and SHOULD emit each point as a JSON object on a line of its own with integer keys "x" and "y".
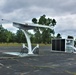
{"x": 20, "y": 44}
{"x": 10, "y": 44}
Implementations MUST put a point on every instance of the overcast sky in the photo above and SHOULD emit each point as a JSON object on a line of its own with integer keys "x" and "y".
{"x": 64, "y": 11}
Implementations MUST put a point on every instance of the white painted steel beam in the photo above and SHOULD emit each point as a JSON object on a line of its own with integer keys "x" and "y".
{"x": 28, "y": 26}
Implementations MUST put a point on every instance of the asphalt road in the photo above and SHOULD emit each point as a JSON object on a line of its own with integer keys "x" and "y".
{"x": 46, "y": 63}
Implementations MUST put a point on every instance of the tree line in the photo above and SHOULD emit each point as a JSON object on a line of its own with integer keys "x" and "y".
{"x": 42, "y": 35}
{"x": 7, "y": 36}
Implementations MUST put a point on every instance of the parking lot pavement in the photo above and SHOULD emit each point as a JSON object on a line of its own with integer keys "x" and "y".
{"x": 47, "y": 63}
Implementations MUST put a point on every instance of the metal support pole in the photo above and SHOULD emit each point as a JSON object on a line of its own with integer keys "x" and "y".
{"x": 28, "y": 42}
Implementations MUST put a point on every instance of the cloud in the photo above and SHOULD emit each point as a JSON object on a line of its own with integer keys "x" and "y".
{"x": 58, "y": 6}
{"x": 66, "y": 25}
{"x": 24, "y": 10}
{"x": 10, "y": 27}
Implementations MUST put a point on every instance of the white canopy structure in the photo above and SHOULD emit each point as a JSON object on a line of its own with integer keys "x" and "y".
{"x": 28, "y": 26}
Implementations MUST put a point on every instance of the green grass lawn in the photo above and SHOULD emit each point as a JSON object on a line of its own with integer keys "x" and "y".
{"x": 20, "y": 44}
{"x": 10, "y": 44}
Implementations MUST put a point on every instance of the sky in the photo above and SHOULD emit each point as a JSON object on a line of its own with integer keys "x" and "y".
{"x": 63, "y": 11}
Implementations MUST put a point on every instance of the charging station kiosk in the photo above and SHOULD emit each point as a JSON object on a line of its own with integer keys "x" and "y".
{"x": 66, "y": 45}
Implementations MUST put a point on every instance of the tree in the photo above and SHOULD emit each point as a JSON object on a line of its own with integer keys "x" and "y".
{"x": 20, "y": 37}
{"x": 3, "y": 34}
{"x": 6, "y": 36}
{"x": 13, "y": 38}
{"x": 34, "y": 20}
{"x": 44, "y": 34}
{"x": 70, "y": 37}
{"x": 59, "y": 35}
{"x": 53, "y": 22}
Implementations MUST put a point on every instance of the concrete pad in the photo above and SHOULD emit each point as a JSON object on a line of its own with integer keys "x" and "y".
{"x": 19, "y": 54}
